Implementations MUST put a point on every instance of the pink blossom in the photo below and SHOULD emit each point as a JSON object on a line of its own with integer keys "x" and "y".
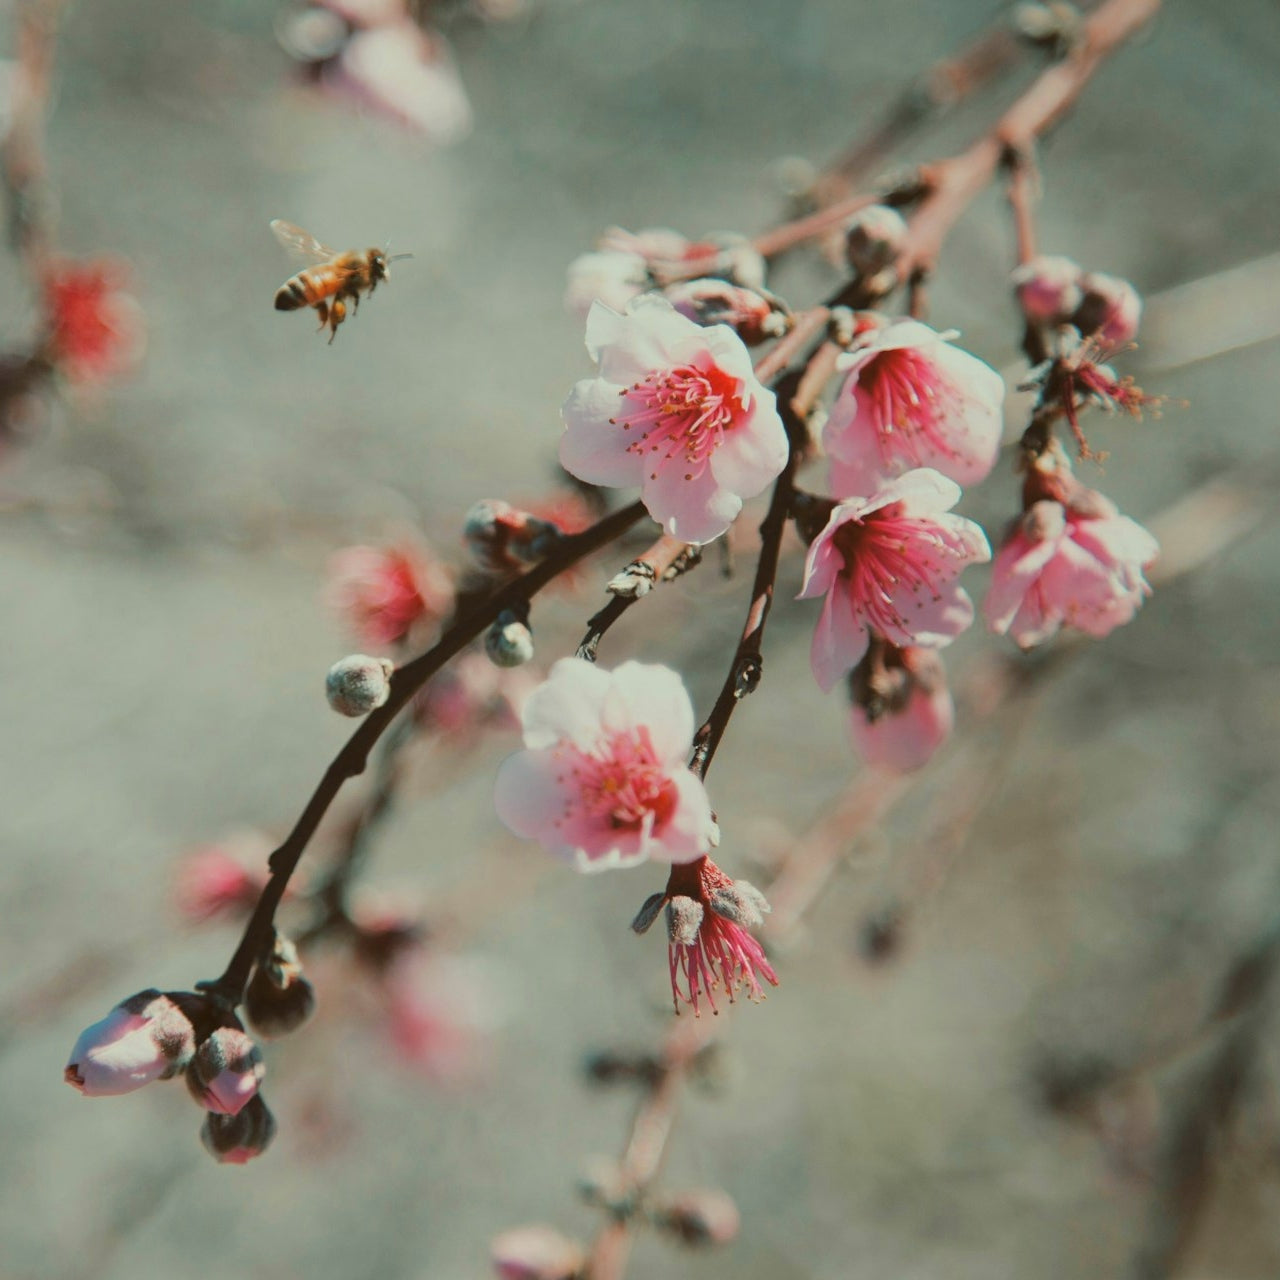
{"x": 440, "y": 1013}
{"x": 384, "y": 593}
{"x": 1048, "y": 288}
{"x": 536, "y": 1252}
{"x": 95, "y": 326}
{"x": 144, "y": 1038}
{"x": 610, "y": 276}
{"x": 902, "y": 709}
{"x": 224, "y": 878}
{"x": 708, "y": 943}
{"x": 911, "y": 399}
{"x": 407, "y": 75}
{"x": 470, "y": 695}
{"x": 1110, "y": 310}
{"x": 887, "y": 565}
{"x": 669, "y": 255}
{"x": 226, "y": 1071}
{"x": 677, "y": 410}
{"x": 603, "y": 779}
{"x": 1061, "y": 568}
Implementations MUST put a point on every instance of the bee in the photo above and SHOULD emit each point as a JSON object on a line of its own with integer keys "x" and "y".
{"x": 333, "y": 280}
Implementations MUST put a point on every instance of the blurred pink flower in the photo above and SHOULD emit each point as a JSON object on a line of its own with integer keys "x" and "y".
{"x": 677, "y": 410}
{"x": 903, "y": 712}
{"x": 1048, "y": 288}
{"x": 609, "y": 276}
{"x": 146, "y": 1037}
{"x": 603, "y": 779}
{"x": 384, "y": 593}
{"x": 95, "y": 327}
{"x": 708, "y": 943}
{"x": 910, "y": 399}
{"x": 223, "y": 878}
{"x": 407, "y": 75}
{"x": 471, "y": 695}
{"x": 536, "y": 1252}
{"x": 887, "y": 564}
{"x": 1059, "y": 568}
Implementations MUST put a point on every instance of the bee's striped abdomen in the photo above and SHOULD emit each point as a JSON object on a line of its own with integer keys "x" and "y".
{"x": 307, "y": 288}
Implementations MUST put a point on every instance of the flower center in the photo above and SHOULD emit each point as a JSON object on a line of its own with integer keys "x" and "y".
{"x": 623, "y": 785}
{"x": 680, "y": 413}
{"x": 884, "y": 552}
{"x": 911, "y": 402}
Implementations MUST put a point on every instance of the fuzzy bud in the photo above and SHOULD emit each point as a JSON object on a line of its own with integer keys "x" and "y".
{"x": 358, "y": 684}
{"x": 509, "y": 642}
{"x": 146, "y": 1037}
{"x": 697, "y": 1218}
{"x": 237, "y": 1139}
{"x": 278, "y": 998}
{"x": 1111, "y": 309}
{"x": 873, "y": 239}
{"x": 226, "y": 1071}
{"x": 710, "y": 301}
{"x": 1048, "y": 288}
{"x": 684, "y": 919}
{"x": 536, "y": 1252}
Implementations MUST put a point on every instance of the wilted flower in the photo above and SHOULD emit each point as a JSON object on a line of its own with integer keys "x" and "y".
{"x": 146, "y": 1037}
{"x": 887, "y": 565}
{"x": 95, "y": 327}
{"x": 677, "y": 410}
{"x": 902, "y": 710}
{"x": 384, "y": 593}
{"x": 603, "y": 779}
{"x": 1060, "y": 568}
{"x": 708, "y": 943}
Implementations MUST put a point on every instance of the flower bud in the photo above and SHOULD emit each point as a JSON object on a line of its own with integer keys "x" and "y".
{"x": 503, "y": 539}
{"x": 710, "y": 301}
{"x": 357, "y": 684}
{"x": 146, "y": 1037}
{"x": 278, "y": 998}
{"x": 536, "y": 1252}
{"x": 873, "y": 239}
{"x": 225, "y": 1072}
{"x": 739, "y": 260}
{"x": 509, "y": 642}
{"x": 236, "y": 1139}
{"x": 1048, "y": 288}
{"x": 1111, "y": 309}
{"x": 697, "y": 1218}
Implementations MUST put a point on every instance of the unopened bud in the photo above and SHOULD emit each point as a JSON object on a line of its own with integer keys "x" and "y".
{"x": 536, "y": 1252}
{"x": 1048, "y": 288}
{"x": 146, "y": 1037}
{"x": 709, "y": 301}
{"x": 509, "y": 642}
{"x": 739, "y": 260}
{"x": 358, "y": 684}
{"x": 278, "y": 998}
{"x": 684, "y": 919}
{"x": 1111, "y": 309}
{"x": 873, "y": 239}
{"x": 697, "y": 1218}
{"x": 226, "y": 1071}
{"x": 503, "y": 539}
{"x": 237, "y": 1139}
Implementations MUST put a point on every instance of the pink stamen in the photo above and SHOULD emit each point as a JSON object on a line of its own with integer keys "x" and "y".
{"x": 623, "y": 783}
{"x": 913, "y": 406}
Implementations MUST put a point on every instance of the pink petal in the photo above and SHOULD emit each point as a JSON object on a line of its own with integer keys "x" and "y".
{"x": 592, "y": 448}
{"x": 754, "y": 450}
{"x": 694, "y": 510}
{"x": 839, "y": 639}
{"x": 690, "y": 830}
{"x": 644, "y": 694}
{"x": 566, "y": 705}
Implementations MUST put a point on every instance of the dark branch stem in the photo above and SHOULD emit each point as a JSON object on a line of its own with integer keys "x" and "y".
{"x": 351, "y": 760}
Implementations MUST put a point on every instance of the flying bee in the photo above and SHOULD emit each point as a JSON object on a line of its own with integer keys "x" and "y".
{"x": 334, "y": 278}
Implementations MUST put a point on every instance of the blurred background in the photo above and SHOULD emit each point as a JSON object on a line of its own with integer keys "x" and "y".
{"x": 1029, "y": 1071}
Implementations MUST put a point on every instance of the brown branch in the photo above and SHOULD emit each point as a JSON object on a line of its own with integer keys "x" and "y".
{"x": 351, "y": 760}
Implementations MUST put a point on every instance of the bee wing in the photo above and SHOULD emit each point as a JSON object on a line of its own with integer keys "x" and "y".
{"x": 300, "y": 243}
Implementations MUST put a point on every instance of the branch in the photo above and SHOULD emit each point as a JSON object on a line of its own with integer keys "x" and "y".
{"x": 351, "y": 760}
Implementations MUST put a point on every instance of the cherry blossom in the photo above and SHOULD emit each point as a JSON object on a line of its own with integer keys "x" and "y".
{"x": 95, "y": 326}
{"x": 146, "y": 1037}
{"x": 708, "y": 943}
{"x": 1062, "y": 568}
{"x": 603, "y": 779}
{"x": 385, "y": 592}
{"x": 911, "y": 399}
{"x": 609, "y": 276}
{"x": 1048, "y": 288}
{"x": 902, "y": 709}
{"x": 677, "y": 410}
{"x": 887, "y": 565}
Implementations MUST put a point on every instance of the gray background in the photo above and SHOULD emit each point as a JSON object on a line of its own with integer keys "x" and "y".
{"x": 163, "y": 644}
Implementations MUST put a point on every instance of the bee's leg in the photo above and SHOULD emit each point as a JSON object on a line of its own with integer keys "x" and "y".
{"x": 322, "y": 310}
{"x": 337, "y": 314}
{"x": 355, "y": 298}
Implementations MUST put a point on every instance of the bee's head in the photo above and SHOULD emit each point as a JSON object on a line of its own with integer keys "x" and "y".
{"x": 378, "y": 264}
